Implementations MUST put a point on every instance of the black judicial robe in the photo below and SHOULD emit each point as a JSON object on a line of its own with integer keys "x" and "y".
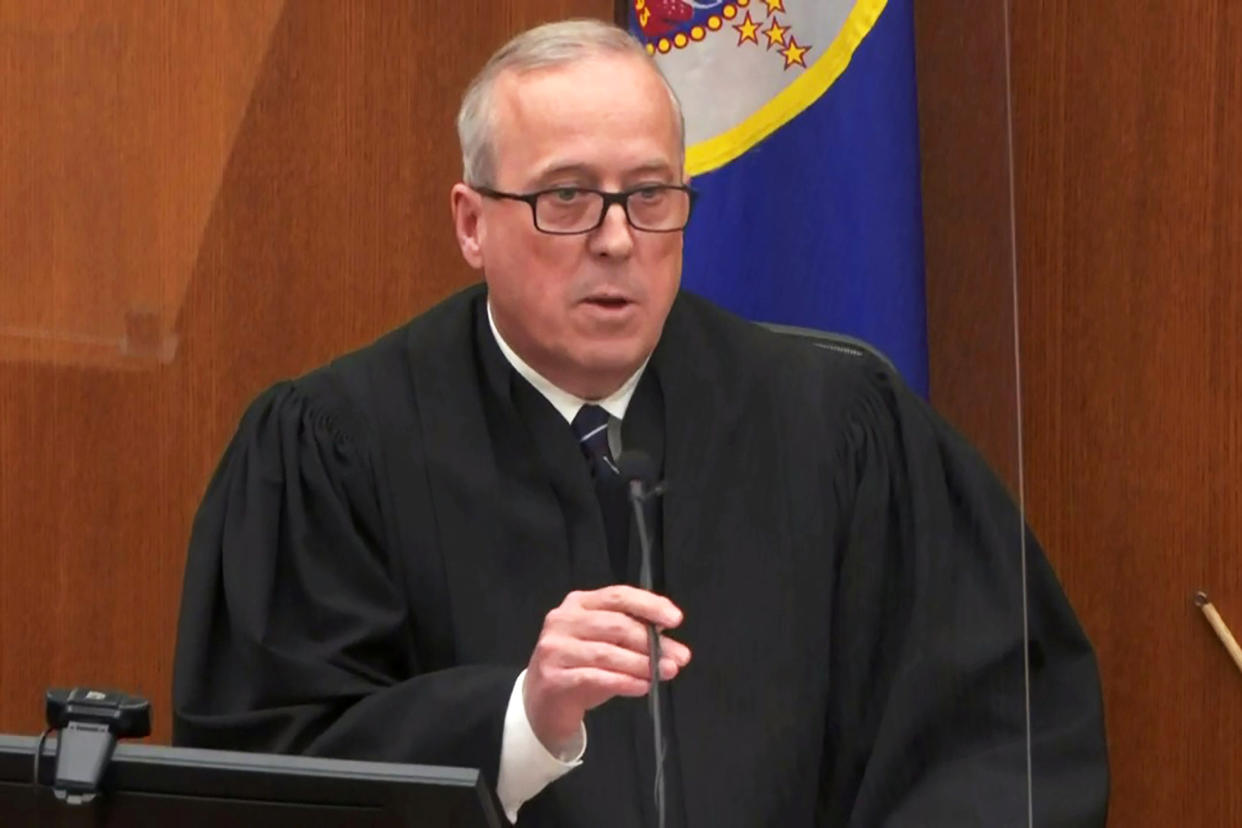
{"x": 372, "y": 562}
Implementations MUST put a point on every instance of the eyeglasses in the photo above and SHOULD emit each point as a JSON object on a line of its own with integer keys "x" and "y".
{"x": 567, "y": 211}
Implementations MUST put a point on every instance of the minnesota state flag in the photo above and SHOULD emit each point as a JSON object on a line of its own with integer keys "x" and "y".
{"x": 802, "y": 137}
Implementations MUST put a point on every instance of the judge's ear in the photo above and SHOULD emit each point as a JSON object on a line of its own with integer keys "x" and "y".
{"x": 467, "y": 206}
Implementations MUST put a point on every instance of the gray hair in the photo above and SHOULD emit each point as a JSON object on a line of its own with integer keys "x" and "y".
{"x": 543, "y": 47}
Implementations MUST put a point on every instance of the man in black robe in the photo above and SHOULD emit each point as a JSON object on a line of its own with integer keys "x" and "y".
{"x": 419, "y": 552}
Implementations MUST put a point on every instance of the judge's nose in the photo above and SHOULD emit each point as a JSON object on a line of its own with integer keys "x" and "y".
{"x": 614, "y": 238}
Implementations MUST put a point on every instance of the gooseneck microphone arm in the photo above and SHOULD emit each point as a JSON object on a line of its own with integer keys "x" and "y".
{"x": 639, "y": 470}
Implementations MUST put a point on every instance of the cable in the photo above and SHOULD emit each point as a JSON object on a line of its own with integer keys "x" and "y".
{"x": 38, "y": 754}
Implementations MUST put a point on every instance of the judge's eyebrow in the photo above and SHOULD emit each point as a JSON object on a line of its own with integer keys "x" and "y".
{"x": 652, "y": 170}
{"x": 579, "y": 174}
{"x": 584, "y": 175}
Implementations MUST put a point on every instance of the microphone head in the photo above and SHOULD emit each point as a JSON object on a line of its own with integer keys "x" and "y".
{"x": 637, "y": 465}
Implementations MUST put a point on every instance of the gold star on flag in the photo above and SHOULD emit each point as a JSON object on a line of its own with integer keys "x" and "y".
{"x": 747, "y": 30}
{"x": 793, "y": 53}
{"x": 774, "y": 6}
{"x": 775, "y": 33}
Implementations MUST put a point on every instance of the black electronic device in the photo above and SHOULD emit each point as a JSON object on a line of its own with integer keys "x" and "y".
{"x": 152, "y": 785}
{"x": 89, "y": 722}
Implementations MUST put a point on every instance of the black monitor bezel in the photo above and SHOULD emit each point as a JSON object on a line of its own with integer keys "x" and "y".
{"x": 157, "y": 770}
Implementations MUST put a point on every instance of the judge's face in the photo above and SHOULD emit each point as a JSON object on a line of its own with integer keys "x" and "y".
{"x": 583, "y": 310}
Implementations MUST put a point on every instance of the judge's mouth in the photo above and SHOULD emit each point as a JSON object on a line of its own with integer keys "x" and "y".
{"x": 607, "y": 303}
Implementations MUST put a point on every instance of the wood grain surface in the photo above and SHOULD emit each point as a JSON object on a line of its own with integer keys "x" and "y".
{"x": 243, "y": 222}
{"x": 1128, "y": 120}
{"x": 968, "y": 238}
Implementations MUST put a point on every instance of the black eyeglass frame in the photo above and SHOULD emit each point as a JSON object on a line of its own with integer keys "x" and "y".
{"x": 610, "y": 198}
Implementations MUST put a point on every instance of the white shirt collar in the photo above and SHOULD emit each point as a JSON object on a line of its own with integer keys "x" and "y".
{"x": 565, "y": 403}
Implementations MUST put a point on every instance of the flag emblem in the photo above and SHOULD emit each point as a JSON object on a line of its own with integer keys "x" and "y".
{"x": 767, "y": 60}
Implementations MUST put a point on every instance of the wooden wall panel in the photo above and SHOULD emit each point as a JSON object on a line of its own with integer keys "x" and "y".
{"x": 119, "y": 119}
{"x": 1129, "y": 140}
{"x": 968, "y": 237}
{"x": 325, "y": 223}
{"x": 1128, "y": 153}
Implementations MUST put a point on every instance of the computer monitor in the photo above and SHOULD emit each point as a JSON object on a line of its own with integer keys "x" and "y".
{"x": 152, "y": 785}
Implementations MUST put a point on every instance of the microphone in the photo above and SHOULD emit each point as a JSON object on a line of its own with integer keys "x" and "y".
{"x": 639, "y": 472}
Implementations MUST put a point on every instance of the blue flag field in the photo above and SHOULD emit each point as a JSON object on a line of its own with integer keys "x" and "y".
{"x": 802, "y": 139}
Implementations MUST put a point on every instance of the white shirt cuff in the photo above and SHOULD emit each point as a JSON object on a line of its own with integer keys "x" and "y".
{"x": 526, "y": 766}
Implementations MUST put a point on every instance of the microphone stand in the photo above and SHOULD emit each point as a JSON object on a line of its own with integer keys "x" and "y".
{"x": 637, "y": 498}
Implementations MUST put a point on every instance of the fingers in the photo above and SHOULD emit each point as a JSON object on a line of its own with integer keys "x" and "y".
{"x": 598, "y": 685}
{"x": 589, "y": 686}
{"x": 566, "y": 653}
{"x": 623, "y": 631}
{"x": 595, "y": 646}
{"x": 637, "y": 603}
{"x": 612, "y": 684}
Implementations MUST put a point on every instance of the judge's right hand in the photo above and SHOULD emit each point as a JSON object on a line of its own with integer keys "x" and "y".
{"x": 594, "y": 647}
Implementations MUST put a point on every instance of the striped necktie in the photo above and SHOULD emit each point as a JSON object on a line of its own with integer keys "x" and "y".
{"x": 590, "y": 426}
